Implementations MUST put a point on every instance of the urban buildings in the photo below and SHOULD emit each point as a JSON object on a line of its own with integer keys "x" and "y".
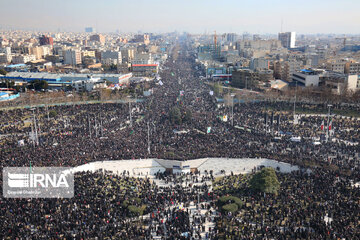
{"x": 339, "y": 83}
{"x": 144, "y": 70}
{"x": 72, "y": 57}
{"x": 249, "y": 79}
{"x": 111, "y": 57}
{"x": 306, "y": 78}
{"x": 352, "y": 68}
{"x": 141, "y": 38}
{"x": 288, "y": 39}
{"x": 45, "y": 40}
{"x": 16, "y": 59}
{"x": 89, "y": 30}
{"x": 97, "y": 38}
{"x": 259, "y": 63}
{"x": 336, "y": 65}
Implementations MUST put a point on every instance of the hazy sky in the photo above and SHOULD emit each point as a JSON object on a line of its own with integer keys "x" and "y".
{"x": 195, "y": 16}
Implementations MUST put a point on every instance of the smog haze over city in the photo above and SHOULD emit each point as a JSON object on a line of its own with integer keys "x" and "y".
{"x": 259, "y": 16}
{"x": 180, "y": 120}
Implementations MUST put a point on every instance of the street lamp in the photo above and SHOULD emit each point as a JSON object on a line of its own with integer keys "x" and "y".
{"x": 232, "y": 109}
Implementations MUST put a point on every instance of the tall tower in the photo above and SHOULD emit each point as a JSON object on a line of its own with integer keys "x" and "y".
{"x": 215, "y": 40}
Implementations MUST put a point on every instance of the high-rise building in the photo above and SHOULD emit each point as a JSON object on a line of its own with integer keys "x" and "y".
{"x": 97, "y": 38}
{"x": 89, "y": 29}
{"x": 231, "y": 37}
{"x": 45, "y": 40}
{"x": 287, "y": 39}
{"x": 289, "y": 68}
{"x": 72, "y": 57}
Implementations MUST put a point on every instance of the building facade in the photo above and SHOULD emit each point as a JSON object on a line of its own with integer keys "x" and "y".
{"x": 98, "y": 38}
{"x": 72, "y": 57}
{"x": 306, "y": 78}
{"x": 45, "y": 40}
{"x": 288, "y": 39}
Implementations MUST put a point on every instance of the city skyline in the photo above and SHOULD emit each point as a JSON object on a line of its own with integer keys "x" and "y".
{"x": 258, "y": 17}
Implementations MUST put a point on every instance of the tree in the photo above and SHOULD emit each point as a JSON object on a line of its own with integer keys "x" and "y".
{"x": 69, "y": 88}
{"x": 52, "y": 113}
{"x": 38, "y": 85}
{"x": 137, "y": 211}
{"x": 3, "y": 72}
{"x": 44, "y": 84}
{"x": 7, "y": 84}
{"x": 218, "y": 90}
{"x": 265, "y": 181}
{"x": 229, "y": 204}
{"x": 187, "y": 116}
{"x": 175, "y": 115}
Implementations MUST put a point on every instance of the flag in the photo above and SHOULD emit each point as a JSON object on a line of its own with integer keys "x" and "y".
{"x": 208, "y": 130}
{"x": 21, "y": 142}
{"x": 161, "y": 83}
{"x": 322, "y": 125}
{"x": 330, "y": 125}
{"x": 296, "y": 119}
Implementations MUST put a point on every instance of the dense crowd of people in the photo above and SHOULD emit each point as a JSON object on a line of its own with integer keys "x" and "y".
{"x": 320, "y": 205}
{"x": 79, "y": 134}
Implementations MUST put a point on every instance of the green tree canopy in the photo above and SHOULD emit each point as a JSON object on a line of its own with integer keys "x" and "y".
{"x": 265, "y": 181}
{"x": 218, "y": 89}
{"x": 187, "y": 115}
{"x": 229, "y": 204}
{"x": 3, "y": 72}
{"x": 52, "y": 113}
{"x": 38, "y": 85}
{"x": 175, "y": 115}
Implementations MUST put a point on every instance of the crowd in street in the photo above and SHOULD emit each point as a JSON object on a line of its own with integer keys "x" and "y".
{"x": 79, "y": 134}
{"x": 308, "y": 206}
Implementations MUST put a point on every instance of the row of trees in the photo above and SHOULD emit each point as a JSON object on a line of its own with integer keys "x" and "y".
{"x": 179, "y": 115}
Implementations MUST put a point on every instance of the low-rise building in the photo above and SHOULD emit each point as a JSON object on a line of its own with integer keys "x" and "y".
{"x": 336, "y": 66}
{"x": 5, "y": 58}
{"x": 338, "y": 82}
{"x": 16, "y": 59}
{"x": 88, "y": 85}
{"x": 306, "y": 77}
{"x": 140, "y": 70}
{"x": 245, "y": 78}
{"x": 352, "y": 68}
{"x": 111, "y": 57}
